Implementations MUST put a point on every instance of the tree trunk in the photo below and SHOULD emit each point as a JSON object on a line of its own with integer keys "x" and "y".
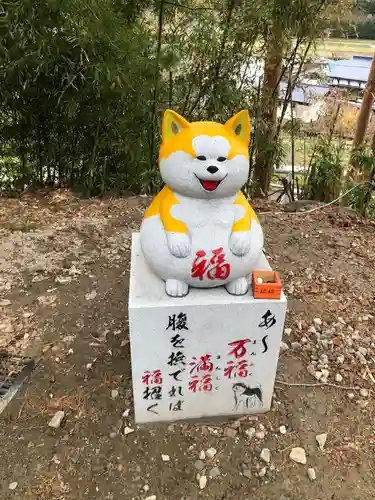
{"x": 366, "y": 108}
{"x": 267, "y": 117}
{"x": 354, "y": 173}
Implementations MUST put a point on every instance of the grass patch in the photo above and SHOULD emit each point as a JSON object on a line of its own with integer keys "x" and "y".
{"x": 343, "y": 48}
{"x": 304, "y": 149}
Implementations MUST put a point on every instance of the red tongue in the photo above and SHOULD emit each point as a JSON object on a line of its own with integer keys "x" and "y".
{"x": 209, "y": 185}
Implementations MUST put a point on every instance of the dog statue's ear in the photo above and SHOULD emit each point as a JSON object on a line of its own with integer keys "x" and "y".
{"x": 239, "y": 125}
{"x": 173, "y": 123}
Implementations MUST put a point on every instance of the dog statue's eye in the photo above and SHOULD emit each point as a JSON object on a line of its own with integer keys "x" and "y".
{"x": 221, "y": 158}
{"x": 202, "y": 158}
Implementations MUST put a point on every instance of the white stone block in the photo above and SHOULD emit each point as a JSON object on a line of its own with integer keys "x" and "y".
{"x": 207, "y": 354}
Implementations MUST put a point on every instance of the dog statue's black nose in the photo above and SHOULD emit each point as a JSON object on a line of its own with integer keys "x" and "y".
{"x": 212, "y": 169}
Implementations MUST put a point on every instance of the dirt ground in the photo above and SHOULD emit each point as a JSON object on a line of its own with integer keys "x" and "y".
{"x": 64, "y": 266}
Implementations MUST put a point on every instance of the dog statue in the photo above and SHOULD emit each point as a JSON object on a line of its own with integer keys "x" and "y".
{"x": 200, "y": 231}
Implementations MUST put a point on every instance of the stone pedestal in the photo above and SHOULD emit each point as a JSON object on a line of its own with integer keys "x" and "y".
{"x": 207, "y": 354}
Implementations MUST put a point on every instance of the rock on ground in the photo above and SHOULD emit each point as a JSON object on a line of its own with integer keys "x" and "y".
{"x": 298, "y": 455}
{"x": 321, "y": 440}
{"x": 311, "y": 473}
{"x": 211, "y": 452}
{"x": 202, "y": 482}
{"x": 229, "y": 432}
{"x": 262, "y": 472}
{"x": 199, "y": 465}
{"x": 214, "y": 472}
{"x": 260, "y": 435}
{"x": 250, "y": 432}
{"x": 57, "y": 419}
{"x": 283, "y": 346}
{"x": 265, "y": 455}
{"x": 363, "y": 392}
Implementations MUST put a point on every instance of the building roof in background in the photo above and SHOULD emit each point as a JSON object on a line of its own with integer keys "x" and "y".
{"x": 356, "y": 69}
{"x": 304, "y": 94}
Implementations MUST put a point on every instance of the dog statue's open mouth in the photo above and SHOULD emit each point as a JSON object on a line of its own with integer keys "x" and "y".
{"x": 210, "y": 185}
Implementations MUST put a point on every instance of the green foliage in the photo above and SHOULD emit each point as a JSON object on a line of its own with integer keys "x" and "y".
{"x": 84, "y": 83}
{"x": 324, "y": 181}
{"x": 74, "y": 93}
{"x": 361, "y": 198}
{"x": 366, "y": 6}
{"x": 366, "y": 29}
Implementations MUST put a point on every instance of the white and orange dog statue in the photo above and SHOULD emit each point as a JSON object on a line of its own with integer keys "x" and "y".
{"x": 200, "y": 231}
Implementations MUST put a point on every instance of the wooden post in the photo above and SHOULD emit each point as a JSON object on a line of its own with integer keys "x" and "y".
{"x": 366, "y": 107}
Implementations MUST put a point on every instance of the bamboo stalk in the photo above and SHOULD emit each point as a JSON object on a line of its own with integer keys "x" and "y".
{"x": 157, "y": 82}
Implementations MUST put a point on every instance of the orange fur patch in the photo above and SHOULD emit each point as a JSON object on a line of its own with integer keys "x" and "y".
{"x": 183, "y": 140}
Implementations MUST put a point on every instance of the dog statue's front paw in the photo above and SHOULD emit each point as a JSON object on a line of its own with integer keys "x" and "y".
{"x": 176, "y": 288}
{"x": 179, "y": 244}
{"x": 239, "y": 243}
{"x": 237, "y": 287}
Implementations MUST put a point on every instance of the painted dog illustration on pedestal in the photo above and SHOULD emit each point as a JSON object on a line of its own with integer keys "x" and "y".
{"x": 246, "y": 396}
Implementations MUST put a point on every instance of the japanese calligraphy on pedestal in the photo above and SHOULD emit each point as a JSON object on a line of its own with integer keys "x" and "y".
{"x": 193, "y": 372}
